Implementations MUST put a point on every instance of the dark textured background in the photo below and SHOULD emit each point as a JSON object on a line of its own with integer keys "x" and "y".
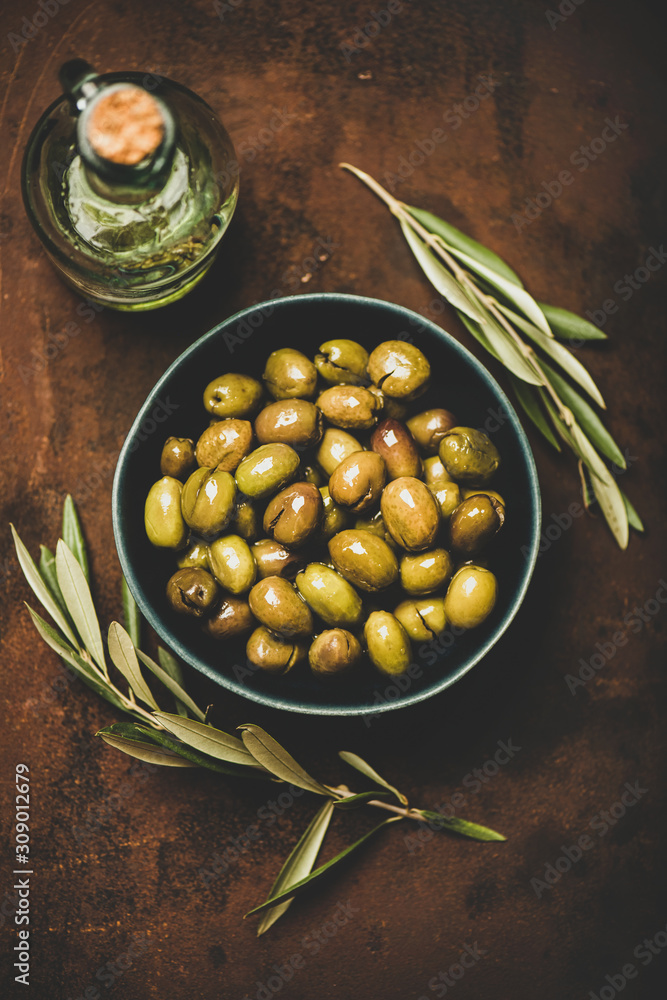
{"x": 133, "y": 870}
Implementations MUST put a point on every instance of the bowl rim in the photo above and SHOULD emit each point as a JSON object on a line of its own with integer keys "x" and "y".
{"x": 270, "y": 699}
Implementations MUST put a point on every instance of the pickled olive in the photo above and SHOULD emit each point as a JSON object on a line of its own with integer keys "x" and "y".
{"x": 289, "y": 374}
{"x": 232, "y": 563}
{"x": 294, "y": 514}
{"x": 447, "y": 495}
{"x": 425, "y": 572}
{"x": 468, "y": 455}
{"x": 357, "y": 482}
{"x": 434, "y": 470}
{"x": 196, "y": 555}
{"x": 233, "y": 617}
{"x": 423, "y": 619}
{"x": 290, "y": 421}
{"x": 178, "y": 458}
{"x": 375, "y": 524}
{"x": 233, "y": 395}
{"x": 364, "y": 559}
{"x": 276, "y": 604}
{"x": 342, "y": 362}
{"x": 329, "y": 595}
{"x": 399, "y": 369}
{"x": 429, "y": 427}
{"x": 474, "y": 523}
{"x": 411, "y": 513}
{"x": 334, "y": 518}
{"x": 396, "y": 445}
{"x": 470, "y": 597}
{"x": 163, "y": 518}
{"x": 313, "y": 474}
{"x": 224, "y": 444}
{"x": 387, "y": 643}
{"x": 469, "y": 491}
{"x": 389, "y": 406}
{"x": 246, "y": 521}
{"x": 208, "y": 501}
{"x": 266, "y": 469}
{"x": 192, "y": 592}
{"x": 334, "y": 653}
{"x": 273, "y": 559}
{"x": 336, "y": 445}
{"x": 349, "y": 406}
{"x": 274, "y": 654}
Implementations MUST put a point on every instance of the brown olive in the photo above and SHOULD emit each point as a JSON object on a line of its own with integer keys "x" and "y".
{"x": 358, "y": 481}
{"x": 273, "y": 559}
{"x": 387, "y": 405}
{"x": 224, "y": 444}
{"x": 273, "y": 654}
{"x": 393, "y": 441}
{"x": 290, "y": 374}
{"x": 474, "y": 523}
{"x": 429, "y": 427}
{"x": 349, "y": 406}
{"x": 364, "y": 559}
{"x": 246, "y": 521}
{"x": 399, "y": 369}
{"x": 178, "y": 458}
{"x": 411, "y": 513}
{"x": 277, "y": 604}
{"x": 334, "y": 653}
{"x": 233, "y": 617}
{"x": 292, "y": 421}
{"x": 313, "y": 474}
{"x": 334, "y": 519}
{"x": 192, "y": 592}
{"x": 294, "y": 514}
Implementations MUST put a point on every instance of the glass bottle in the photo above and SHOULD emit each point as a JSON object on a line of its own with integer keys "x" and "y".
{"x": 130, "y": 181}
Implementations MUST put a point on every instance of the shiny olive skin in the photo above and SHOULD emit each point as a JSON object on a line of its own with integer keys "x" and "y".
{"x": 448, "y": 496}
{"x": 178, "y": 458}
{"x": 399, "y": 369}
{"x": 274, "y": 654}
{"x": 313, "y": 474}
{"x": 349, "y": 407}
{"x": 423, "y": 618}
{"x": 292, "y": 421}
{"x": 425, "y": 572}
{"x": 468, "y": 455}
{"x": 336, "y": 445}
{"x": 411, "y": 513}
{"x": 334, "y": 653}
{"x": 289, "y": 374}
{"x": 387, "y": 643}
{"x": 208, "y": 501}
{"x": 192, "y": 592}
{"x": 334, "y": 519}
{"x": 233, "y": 395}
{"x": 246, "y": 521}
{"x": 358, "y": 481}
{"x": 163, "y": 518}
{"x": 474, "y": 523}
{"x": 294, "y": 514}
{"x": 375, "y": 524}
{"x": 232, "y": 563}
{"x": 266, "y": 469}
{"x": 342, "y": 362}
{"x": 224, "y": 444}
{"x": 364, "y": 559}
{"x": 195, "y": 556}
{"x": 329, "y": 595}
{"x": 395, "y": 444}
{"x": 276, "y": 604}
{"x": 232, "y": 617}
{"x": 434, "y": 470}
{"x": 470, "y": 597}
{"x": 387, "y": 405}
{"x": 429, "y": 427}
{"x": 471, "y": 491}
{"x": 273, "y": 559}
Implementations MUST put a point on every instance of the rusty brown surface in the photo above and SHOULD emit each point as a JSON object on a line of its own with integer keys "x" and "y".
{"x": 280, "y": 80}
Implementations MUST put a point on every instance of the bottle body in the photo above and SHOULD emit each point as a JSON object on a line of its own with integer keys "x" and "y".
{"x": 132, "y": 246}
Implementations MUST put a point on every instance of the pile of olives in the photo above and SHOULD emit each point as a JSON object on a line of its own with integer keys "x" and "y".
{"x": 328, "y": 522}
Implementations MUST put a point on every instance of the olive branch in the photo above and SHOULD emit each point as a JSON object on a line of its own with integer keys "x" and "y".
{"x": 184, "y": 737}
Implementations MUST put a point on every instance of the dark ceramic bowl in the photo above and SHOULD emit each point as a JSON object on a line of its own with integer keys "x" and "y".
{"x": 241, "y": 344}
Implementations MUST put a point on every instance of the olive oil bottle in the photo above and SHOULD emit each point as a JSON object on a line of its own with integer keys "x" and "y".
{"x": 129, "y": 181}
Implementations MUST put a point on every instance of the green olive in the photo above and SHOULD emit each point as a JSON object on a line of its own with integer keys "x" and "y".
{"x": 357, "y": 482}
{"x": 291, "y": 421}
{"x": 336, "y": 445}
{"x": 448, "y": 496}
{"x": 266, "y": 469}
{"x": 163, "y": 519}
{"x": 363, "y": 559}
{"x": 474, "y": 523}
{"x": 429, "y": 427}
{"x": 178, "y": 458}
{"x": 342, "y": 362}
{"x": 393, "y": 441}
{"x": 195, "y": 556}
{"x": 399, "y": 369}
{"x": 274, "y": 654}
{"x": 425, "y": 572}
{"x": 294, "y": 514}
{"x": 233, "y": 617}
{"x": 334, "y": 518}
{"x": 349, "y": 406}
{"x": 334, "y": 653}
{"x": 422, "y": 618}
{"x": 387, "y": 643}
{"x": 232, "y": 563}
{"x": 471, "y": 491}
{"x": 273, "y": 559}
{"x": 468, "y": 455}
{"x": 329, "y": 595}
{"x": 224, "y": 444}
{"x": 411, "y": 513}
{"x": 313, "y": 474}
{"x": 470, "y": 597}
{"x": 434, "y": 470}
{"x": 246, "y": 521}
{"x": 277, "y": 604}
{"x": 375, "y": 524}
{"x": 233, "y": 395}
{"x": 192, "y": 592}
{"x": 290, "y": 374}
{"x": 208, "y": 501}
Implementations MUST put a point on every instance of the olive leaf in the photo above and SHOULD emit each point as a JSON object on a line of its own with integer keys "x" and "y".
{"x": 478, "y": 333}
{"x": 76, "y": 594}
{"x": 634, "y": 519}
{"x": 131, "y": 614}
{"x": 568, "y": 326}
{"x": 73, "y": 535}
{"x": 148, "y": 752}
{"x": 587, "y": 417}
{"x": 47, "y": 569}
{"x": 529, "y": 400}
{"x": 439, "y": 276}
{"x": 360, "y": 765}
{"x": 39, "y": 588}
{"x": 509, "y": 354}
{"x": 171, "y": 666}
{"x": 194, "y": 756}
{"x": 208, "y": 740}
{"x": 299, "y": 864}
{"x": 605, "y": 488}
{"x": 461, "y": 826}
{"x": 181, "y": 696}
{"x": 269, "y": 753}
{"x": 123, "y": 654}
{"x": 354, "y": 801}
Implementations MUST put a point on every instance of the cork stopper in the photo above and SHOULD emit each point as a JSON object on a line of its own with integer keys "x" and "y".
{"x": 126, "y": 126}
